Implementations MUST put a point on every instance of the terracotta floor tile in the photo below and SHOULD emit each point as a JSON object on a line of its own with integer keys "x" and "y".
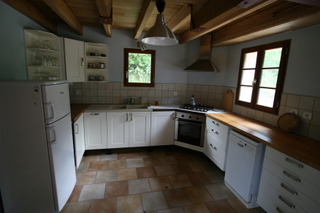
{"x": 117, "y": 164}
{"x": 160, "y": 183}
{"x": 196, "y": 208}
{"x": 220, "y": 206}
{"x": 125, "y": 156}
{"x": 134, "y": 162}
{"x": 180, "y": 181}
{"x": 215, "y": 176}
{"x": 107, "y": 205}
{"x": 174, "y": 210}
{"x": 146, "y": 172}
{"x": 76, "y": 207}
{"x": 109, "y": 157}
{"x": 141, "y": 154}
{"x": 198, "y": 178}
{"x": 129, "y": 204}
{"x": 181, "y": 168}
{"x": 83, "y": 167}
{"x": 219, "y": 191}
{"x": 164, "y": 170}
{"x": 153, "y": 201}
{"x": 98, "y": 165}
{"x": 93, "y": 191}
{"x": 152, "y": 161}
{"x": 177, "y": 198}
{"x": 201, "y": 166}
{"x": 90, "y": 158}
{"x": 183, "y": 158}
{"x": 119, "y": 188}
{"x": 75, "y": 193}
{"x": 106, "y": 176}
{"x": 139, "y": 186}
{"x": 168, "y": 160}
{"x": 86, "y": 178}
{"x": 155, "y": 154}
{"x": 127, "y": 174}
{"x": 199, "y": 194}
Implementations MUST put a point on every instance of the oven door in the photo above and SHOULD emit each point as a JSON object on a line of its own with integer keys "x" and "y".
{"x": 190, "y": 132}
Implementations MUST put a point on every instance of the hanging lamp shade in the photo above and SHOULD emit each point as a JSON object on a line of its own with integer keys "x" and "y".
{"x": 160, "y": 34}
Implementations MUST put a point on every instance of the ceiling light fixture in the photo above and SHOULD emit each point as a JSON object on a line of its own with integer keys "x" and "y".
{"x": 160, "y": 34}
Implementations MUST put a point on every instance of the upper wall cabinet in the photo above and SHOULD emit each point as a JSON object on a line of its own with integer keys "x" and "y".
{"x": 96, "y": 62}
{"x": 74, "y": 60}
{"x": 43, "y": 54}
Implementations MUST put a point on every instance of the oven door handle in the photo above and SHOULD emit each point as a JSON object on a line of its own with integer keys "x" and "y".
{"x": 193, "y": 123}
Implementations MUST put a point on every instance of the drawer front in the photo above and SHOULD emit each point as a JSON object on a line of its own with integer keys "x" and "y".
{"x": 294, "y": 179}
{"x": 217, "y": 155}
{"x": 305, "y": 171}
{"x": 221, "y": 144}
{"x": 281, "y": 202}
{"x": 290, "y": 192}
{"x": 217, "y": 126}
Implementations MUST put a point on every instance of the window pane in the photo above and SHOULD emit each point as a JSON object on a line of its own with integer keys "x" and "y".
{"x": 247, "y": 77}
{"x": 272, "y": 58}
{"x": 245, "y": 94}
{"x": 139, "y": 68}
{"x": 266, "y": 97}
{"x": 269, "y": 78}
{"x": 250, "y": 60}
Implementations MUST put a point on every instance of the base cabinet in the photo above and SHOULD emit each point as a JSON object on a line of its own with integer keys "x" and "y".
{"x": 78, "y": 140}
{"x": 95, "y": 130}
{"x": 128, "y": 129}
{"x": 162, "y": 128}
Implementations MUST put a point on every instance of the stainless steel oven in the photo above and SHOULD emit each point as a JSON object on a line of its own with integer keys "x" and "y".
{"x": 190, "y": 128}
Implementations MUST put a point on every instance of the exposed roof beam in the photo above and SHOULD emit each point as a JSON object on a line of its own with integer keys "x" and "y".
{"x": 146, "y": 10}
{"x": 226, "y": 18}
{"x": 309, "y": 2}
{"x": 30, "y": 10}
{"x": 105, "y": 10}
{"x": 180, "y": 18}
{"x": 281, "y": 18}
{"x": 62, "y": 10}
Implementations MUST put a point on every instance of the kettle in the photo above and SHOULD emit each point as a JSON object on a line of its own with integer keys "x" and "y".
{"x": 192, "y": 101}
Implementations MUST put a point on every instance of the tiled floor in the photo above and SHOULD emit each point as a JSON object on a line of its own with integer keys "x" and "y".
{"x": 164, "y": 180}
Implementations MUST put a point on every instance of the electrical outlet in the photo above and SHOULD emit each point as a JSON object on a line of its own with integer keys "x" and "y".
{"x": 294, "y": 111}
{"x": 307, "y": 115}
{"x": 175, "y": 93}
{"x": 78, "y": 92}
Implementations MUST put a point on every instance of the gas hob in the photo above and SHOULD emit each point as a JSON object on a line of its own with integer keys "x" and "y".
{"x": 199, "y": 108}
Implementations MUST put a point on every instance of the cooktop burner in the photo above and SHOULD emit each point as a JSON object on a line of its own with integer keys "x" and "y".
{"x": 200, "y": 108}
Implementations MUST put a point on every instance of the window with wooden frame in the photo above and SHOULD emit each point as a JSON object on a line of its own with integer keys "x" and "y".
{"x": 261, "y": 76}
{"x": 139, "y": 67}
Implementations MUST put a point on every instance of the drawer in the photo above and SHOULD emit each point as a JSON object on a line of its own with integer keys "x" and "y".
{"x": 217, "y": 126}
{"x": 280, "y": 201}
{"x": 221, "y": 144}
{"x": 215, "y": 154}
{"x": 305, "y": 171}
{"x": 290, "y": 192}
{"x": 296, "y": 180}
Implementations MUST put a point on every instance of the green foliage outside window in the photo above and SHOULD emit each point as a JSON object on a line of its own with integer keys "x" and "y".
{"x": 139, "y": 68}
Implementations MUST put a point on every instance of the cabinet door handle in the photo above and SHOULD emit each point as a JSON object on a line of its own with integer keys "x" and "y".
{"x": 127, "y": 117}
{"x": 95, "y": 113}
{"x": 82, "y": 62}
{"x": 77, "y": 128}
{"x": 294, "y": 163}
{"x": 216, "y": 123}
{"x": 215, "y": 148}
{"x": 291, "y": 176}
{"x": 216, "y": 132}
{"x": 130, "y": 116}
{"x": 279, "y": 210}
{"x": 287, "y": 188}
{"x": 286, "y": 202}
{"x": 239, "y": 144}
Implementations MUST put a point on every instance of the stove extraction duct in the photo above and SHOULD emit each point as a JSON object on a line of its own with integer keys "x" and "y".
{"x": 204, "y": 63}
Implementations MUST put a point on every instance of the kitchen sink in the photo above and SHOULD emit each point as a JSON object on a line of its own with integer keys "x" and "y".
{"x": 137, "y": 106}
{"x": 117, "y": 107}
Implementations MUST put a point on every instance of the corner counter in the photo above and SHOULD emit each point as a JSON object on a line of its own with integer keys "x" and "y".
{"x": 299, "y": 147}
{"x": 77, "y": 110}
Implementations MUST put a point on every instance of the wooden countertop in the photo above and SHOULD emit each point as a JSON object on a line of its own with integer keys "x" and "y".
{"x": 77, "y": 110}
{"x": 299, "y": 147}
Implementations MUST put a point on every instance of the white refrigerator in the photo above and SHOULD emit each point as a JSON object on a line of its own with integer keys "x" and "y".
{"x": 37, "y": 168}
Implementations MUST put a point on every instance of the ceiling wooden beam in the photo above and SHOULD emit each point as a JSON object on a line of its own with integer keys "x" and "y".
{"x": 308, "y": 2}
{"x": 34, "y": 13}
{"x": 62, "y": 10}
{"x": 146, "y": 10}
{"x": 180, "y": 18}
{"x": 224, "y": 19}
{"x": 105, "y": 10}
{"x": 281, "y": 18}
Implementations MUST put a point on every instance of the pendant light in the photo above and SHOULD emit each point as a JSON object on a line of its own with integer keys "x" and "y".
{"x": 160, "y": 34}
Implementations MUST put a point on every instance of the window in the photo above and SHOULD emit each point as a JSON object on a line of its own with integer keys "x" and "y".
{"x": 261, "y": 76}
{"x": 139, "y": 67}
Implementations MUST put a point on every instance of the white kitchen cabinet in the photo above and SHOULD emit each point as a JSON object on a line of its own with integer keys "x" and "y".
{"x": 288, "y": 185}
{"x": 162, "y": 128}
{"x": 95, "y": 128}
{"x": 78, "y": 140}
{"x": 216, "y": 141}
{"x": 96, "y": 62}
{"x": 74, "y": 60}
{"x": 43, "y": 55}
{"x": 128, "y": 129}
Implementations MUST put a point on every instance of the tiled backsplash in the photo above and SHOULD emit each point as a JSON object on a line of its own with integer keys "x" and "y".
{"x": 177, "y": 94}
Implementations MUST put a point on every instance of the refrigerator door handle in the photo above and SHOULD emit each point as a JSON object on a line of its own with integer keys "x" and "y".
{"x": 51, "y": 135}
{"x": 49, "y": 109}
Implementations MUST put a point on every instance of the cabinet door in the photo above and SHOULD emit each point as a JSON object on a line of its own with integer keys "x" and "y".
{"x": 118, "y": 129}
{"x": 74, "y": 55}
{"x": 139, "y": 128}
{"x": 162, "y": 128}
{"x": 79, "y": 145}
{"x": 95, "y": 130}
